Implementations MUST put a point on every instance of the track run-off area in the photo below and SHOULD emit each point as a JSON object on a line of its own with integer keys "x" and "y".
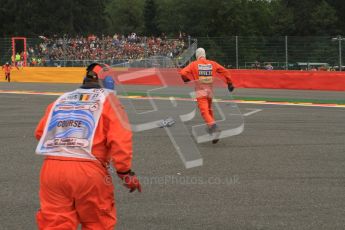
{"x": 286, "y": 170}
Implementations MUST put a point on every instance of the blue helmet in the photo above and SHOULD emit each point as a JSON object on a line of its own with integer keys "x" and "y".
{"x": 109, "y": 83}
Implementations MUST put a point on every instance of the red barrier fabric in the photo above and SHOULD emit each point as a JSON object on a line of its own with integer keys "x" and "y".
{"x": 268, "y": 79}
{"x": 278, "y": 79}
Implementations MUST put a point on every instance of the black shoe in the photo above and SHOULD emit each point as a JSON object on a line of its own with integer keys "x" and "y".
{"x": 215, "y": 132}
{"x": 215, "y": 141}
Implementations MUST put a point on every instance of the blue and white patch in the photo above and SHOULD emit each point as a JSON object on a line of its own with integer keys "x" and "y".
{"x": 72, "y": 124}
{"x": 205, "y": 73}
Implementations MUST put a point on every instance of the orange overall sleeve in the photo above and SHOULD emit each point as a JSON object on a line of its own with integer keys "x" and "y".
{"x": 223, "y": 72}
{"x": 41, "y": 125}
{"x": 119, "y": 134}
{"x": 187, "y": 72}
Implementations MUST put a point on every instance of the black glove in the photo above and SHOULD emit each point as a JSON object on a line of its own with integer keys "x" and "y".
{"x": 231, "y": 87}
{"x": 185, "y": 80}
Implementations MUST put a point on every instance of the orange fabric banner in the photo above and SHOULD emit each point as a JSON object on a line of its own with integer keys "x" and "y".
{"x": 47, "y": 74}
{"x": 269, "y": 79}
{"x": 274, "y": 79}
{"x": 278, "y": 79}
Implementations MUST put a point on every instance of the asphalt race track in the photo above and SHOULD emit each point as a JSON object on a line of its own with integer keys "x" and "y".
{"x": 285, "y": 171}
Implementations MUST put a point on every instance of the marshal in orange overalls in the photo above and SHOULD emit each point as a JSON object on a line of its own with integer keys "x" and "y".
{"x": 202, "y": 71}
{"x": 80, "y": 190}
{"x": 7, "y": 69}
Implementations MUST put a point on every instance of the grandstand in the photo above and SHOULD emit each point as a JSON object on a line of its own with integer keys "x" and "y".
{"x": 236, "y": 52}
{"x": 80, "y": 51}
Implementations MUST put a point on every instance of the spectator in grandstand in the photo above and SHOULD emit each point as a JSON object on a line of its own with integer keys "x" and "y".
{"x": 22, "y": 57}
{"x": 109, "y": 48}
{"x": 313, "y": 68}
{"x": 17, "y": 57}
{"x": 33, "y": 61}
{"x": 132, "y": 37}
{"x": 268, "y": 66}
{"x": 323, "y": 68}
{"x": 256, "y": 65}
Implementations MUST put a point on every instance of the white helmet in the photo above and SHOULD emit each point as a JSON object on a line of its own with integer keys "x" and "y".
{"x": 200, "y": 52}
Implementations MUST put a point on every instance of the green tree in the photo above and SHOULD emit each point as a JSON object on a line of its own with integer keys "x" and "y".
{"x": 339, "y": 7}
{"x": 282, "y": 19}
{"x": 323, "y": 20}
{"x": 150, "y": 18}
{"x": 169, "y": 18}
{"x": 313, "y": 17}
{"x": 203, "y": 18}
{"x": 125, "y": 16}
{"x": 36, "y": 17}
{"x": 8, "y": 10}
{"x": 216, "y": 18}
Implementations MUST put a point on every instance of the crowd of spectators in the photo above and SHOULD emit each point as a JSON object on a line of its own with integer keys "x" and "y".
{"x": 110, "y": 48}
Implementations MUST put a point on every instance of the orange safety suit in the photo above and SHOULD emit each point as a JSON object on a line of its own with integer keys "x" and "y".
{"x": 76, "y": 190}
{"x": 202, "y": 71}
{"x": 7, "y": 70}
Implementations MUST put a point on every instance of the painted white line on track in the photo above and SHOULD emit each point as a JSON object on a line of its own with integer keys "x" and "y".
{"x": 341, "y": 106}
{"x": 252, "y": 112}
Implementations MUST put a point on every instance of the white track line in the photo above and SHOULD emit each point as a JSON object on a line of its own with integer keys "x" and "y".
{"x": 252, "y": 112}
{"x": 339, "y": 106}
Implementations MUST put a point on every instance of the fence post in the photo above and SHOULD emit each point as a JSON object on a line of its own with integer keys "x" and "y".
{"x": 188, "y": 41}
{"x": 339, "y": 38}
{"x": 286, "y": 54}
{"x": 340, "y": 57}
{"x": 64, "y": 49}
{"x": 145, "y": 48}
{"x": 236, "y": 51}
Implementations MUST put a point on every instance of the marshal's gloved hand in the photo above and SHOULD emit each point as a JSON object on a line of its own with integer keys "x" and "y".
{"x": 130, "y": 180}
{"x": 231, "y": 87}
{"x": 185, "y": 80}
